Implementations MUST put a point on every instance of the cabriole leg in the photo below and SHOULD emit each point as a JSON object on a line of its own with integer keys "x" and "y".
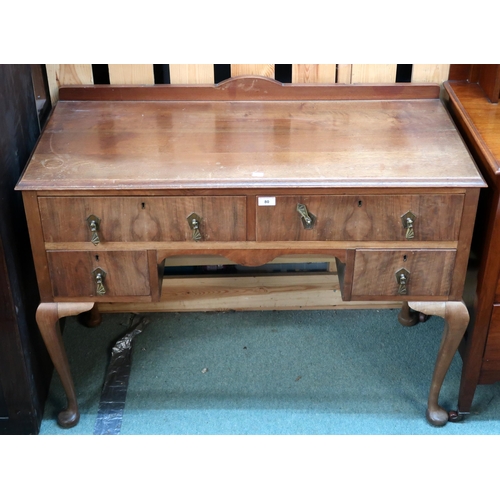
{"x": 456, "y": 319}
{"x": 47, "y": 317}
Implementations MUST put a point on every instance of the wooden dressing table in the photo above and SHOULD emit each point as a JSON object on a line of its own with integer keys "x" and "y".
{"x": 251, "y": 169}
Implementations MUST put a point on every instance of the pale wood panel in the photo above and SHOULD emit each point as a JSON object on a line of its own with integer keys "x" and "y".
{"x": 67, "y": 74}
{"x": 344, "y": 73}
{"x": 249, "y": 293}
{"x": 313, "y": 73}
{"x": 191, "y": 73}
{"x": 253, "y": 69}
{"x": 131, "y": 74}
{"x": 430, "y": 73}
{"x": 374, "y": 73}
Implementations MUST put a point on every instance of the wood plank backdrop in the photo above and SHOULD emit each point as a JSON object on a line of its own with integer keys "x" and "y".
{"x": 258, "y": 291}
{"x": 144, "y": 74}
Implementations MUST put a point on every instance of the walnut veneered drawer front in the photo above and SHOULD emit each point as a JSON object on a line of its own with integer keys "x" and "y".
{"x": 137, "y": 218}
{"x": 402, "y": 273}
{"x": 100, "y": 275}
{"x": 421, "y": 217}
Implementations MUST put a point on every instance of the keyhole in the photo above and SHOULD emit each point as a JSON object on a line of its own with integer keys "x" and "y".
{"x": 143, "y": 206}
{"x": 97, "y": 257}
{"x": 360, "y": 203}
{"x": 405, "y": 258}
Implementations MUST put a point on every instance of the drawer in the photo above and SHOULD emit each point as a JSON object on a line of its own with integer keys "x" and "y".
{"x": 492, "y": 350}
{"x": 73, "y": 274}
{"x": 429, "y": 272}
{"x": 134, "y": 218}
{"x": 361, "y": 218}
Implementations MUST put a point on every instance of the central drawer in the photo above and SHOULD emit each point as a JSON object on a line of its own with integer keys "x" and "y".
{"x": 137, "y": 218}
{"x": 434, "y": 217}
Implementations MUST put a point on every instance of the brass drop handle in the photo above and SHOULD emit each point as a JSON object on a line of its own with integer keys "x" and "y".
{"x": 93, "y": 223}
{"x": 408, "y": 219}
{"x": 402, "y": 278}
{"x": 194, "y": 223}
{"x": 99, "y": 276}
{"x": 307, "y": 218}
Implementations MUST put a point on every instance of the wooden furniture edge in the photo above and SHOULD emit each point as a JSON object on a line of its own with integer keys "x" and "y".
{"x": 464, "y": 244}
{"x": 477, "y": 370}
{"x": 470, "y": 131}
{"x": 262, "y": 186}
{"x": 245, "y": 88}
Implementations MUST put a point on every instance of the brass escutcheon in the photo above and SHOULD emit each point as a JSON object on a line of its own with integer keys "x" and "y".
{"x": 194, "y": 223}
{"x": 99, "y": 275}
{"x": 408, "y": 219}
{"x": 93, "y": 223}
{"x": 308, "y": 219}
{"x": 402, "y": 278}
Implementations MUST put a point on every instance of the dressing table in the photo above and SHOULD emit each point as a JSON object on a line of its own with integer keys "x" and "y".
{"x": 124, "y": 177}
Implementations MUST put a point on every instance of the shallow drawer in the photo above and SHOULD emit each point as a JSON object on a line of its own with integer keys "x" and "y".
{"x": 75, "y": 274}
{"x": 220, "y": 218}
{"x": 378, "y": 272}
{"x": 435, "y": 217}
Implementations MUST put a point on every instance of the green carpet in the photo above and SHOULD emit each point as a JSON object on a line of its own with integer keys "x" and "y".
{"x": 344, "y": 372}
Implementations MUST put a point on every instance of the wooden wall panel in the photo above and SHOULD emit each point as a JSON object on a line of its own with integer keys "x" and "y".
{"x": 191, "y": 73}
{"x": 253, "y": 69}
{"x": 344, "y": 72}
{"x": 143, "y": 74}
{"x": 314, "y": 73}
{"x": 67, "y": 74}
{"x": 373, "y": 73}
{"x": 430, "y": 73}
{"x": 131, "y": 74}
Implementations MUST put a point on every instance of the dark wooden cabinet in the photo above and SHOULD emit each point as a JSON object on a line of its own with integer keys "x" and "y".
{"x": 472, "y": 95}
{"x": 24, "y": 364}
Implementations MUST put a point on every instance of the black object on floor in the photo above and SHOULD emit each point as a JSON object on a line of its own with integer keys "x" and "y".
{"x": 114, "y": 391}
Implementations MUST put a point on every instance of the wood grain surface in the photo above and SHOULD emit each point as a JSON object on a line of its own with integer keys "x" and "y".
{"x": 191, "y": 73}
{"x": 314, "y": 73}
{"x": 492, "y": 349}
{"x": 430, "y": 73}
{"x": 131, "y": 74}
{"x": 361, "y": 218}
{"x": 249, "y": 293}
{"x": 373, "y": 73}
{"x": 252, "y": 69}
{"x": 180, "y": 145}
{"x": 481, "y": 119}
{"x": 74, "y": 74}
{"x": 67, "y": 74}
{"x": 221, "y": 218}
{"x": 127, "y": 273}
{"x": 430, "y": 272}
